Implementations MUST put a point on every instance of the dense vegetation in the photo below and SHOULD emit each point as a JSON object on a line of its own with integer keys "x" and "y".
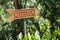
{"x": 44, "y": 27}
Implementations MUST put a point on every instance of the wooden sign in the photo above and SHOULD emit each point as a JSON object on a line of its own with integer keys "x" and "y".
{"x": 21, "y": 13}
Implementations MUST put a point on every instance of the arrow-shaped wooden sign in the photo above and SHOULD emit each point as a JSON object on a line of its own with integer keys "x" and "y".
{"x": 21, "y": 13}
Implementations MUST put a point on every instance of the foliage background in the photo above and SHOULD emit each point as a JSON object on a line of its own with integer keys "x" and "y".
{"x": 48, "y": 23}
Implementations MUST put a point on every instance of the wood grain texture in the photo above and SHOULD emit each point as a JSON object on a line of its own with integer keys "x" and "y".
{"x": 21, "y": 13}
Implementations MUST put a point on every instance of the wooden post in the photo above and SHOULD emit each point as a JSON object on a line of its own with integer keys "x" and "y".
{"x": 24, "y": 27}
{"x": 25, "y": 20}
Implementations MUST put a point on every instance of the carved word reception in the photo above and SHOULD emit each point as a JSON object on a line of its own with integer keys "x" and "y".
{"x": 21, "y": 13}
